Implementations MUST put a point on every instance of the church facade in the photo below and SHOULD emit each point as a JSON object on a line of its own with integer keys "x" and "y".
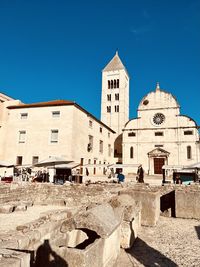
{"x": 159, "y": 135}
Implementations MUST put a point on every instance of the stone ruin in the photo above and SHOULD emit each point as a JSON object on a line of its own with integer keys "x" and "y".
{"x": 92, "y": 222}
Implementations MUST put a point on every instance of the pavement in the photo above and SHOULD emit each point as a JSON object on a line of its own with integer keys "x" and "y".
{"x": 150, "y": 179}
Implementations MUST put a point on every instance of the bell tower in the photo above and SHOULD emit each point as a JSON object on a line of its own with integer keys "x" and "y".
{"x": 115, "y": 95}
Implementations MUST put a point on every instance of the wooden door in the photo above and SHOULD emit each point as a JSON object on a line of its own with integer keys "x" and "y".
{"x": 158, "y": 163}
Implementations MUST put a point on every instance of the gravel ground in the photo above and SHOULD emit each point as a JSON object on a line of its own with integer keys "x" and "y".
{"x": 173, "y": 242}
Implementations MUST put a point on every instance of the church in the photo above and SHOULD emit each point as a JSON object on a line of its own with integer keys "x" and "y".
{"x": 159, "y": 135}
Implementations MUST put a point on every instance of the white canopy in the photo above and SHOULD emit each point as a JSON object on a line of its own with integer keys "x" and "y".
{"x": 70, "y": 165}
{"x": 173, "y": 167}
{"x": 51, "y": 161}
{"x": 124, "y": 165}
{"x": 193, "y": 166}
{"x": 6, "y": 164}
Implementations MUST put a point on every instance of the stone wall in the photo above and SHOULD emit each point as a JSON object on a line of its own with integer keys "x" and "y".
{"x": 87, "y": 232}
{"x": 187, "y": 201}
{"x": 150, "y": 203}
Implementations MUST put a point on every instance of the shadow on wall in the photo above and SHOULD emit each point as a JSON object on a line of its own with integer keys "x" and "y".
{"x": 46, "y": 257}
{"x": 148, "y": 256}
{"x": 197, "y": 228}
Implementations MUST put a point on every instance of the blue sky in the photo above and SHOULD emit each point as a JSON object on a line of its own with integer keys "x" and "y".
{"x": 56, "y": 49}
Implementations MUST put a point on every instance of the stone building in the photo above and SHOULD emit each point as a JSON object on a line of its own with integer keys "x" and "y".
{"x": 61, "y": 128}
{"x": 160, "y": 134}
{"x": 5, "y": 101}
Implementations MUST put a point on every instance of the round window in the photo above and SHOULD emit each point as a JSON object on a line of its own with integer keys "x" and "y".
{"x": 145, "y": 102}
{"x": 158, "y": 118}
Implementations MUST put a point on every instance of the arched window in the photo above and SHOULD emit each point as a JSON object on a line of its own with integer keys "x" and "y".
{"x": 115, "y": 84}
{"x": 131, "y": 152}
{"x": 189, "y": 152}
{"x": 116, "y": 108}
{"x": 108, "y": 84}
{"x": 111, "y": 84}
{"x": 108, "y": 109}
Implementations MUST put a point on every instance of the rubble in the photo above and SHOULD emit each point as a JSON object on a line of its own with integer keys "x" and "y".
{"x": 84, "y": 225}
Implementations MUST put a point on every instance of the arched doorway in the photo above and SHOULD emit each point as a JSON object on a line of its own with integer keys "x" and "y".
{"x": 118, "y": 149}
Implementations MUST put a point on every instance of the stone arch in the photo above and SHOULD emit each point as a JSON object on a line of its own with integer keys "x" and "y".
{"x": 118, "y": 148}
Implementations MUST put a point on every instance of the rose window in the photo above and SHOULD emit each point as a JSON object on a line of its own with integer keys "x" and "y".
{"x": 158, "y": 118}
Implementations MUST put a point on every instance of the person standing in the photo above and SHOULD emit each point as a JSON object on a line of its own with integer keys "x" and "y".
{"x": 140, "y": 174}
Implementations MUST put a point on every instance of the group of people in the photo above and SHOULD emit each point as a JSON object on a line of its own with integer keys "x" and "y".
{"x": 139, "y": 177}
{"x": 41, "y": 176}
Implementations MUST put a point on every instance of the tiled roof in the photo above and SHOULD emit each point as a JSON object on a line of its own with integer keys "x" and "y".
{"x": 43, "y": 104}
{"x": 4, "y": 97}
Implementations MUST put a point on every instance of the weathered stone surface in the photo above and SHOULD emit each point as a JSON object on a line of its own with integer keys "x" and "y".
{"x": 55, "y": 202}
{"x": 10, "y": 258}
{"x": 100, "y": 219}
{"x": 21, "y": 208}
{"x": 60, "y": 215}
{"x": 60, "y": 240}
{"x": 111, "y": 225}
{"x": 129, "y": 212}
{"x": 187, "y": 203}
{"x": 67, "y": 225}
{"x": 6, "y": 208}
{"x": 75, "y": 237}
{"x": 14, "y": 240}
{"x": 33, "y": 236}
{"x": 150, "y": 203}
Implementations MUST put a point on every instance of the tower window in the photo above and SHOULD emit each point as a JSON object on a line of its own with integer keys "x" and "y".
{"x": 116, "y": 108}
{"x": 131, "y": 152}
{"x": 117, "y": 83}
{"x": 109, "y": 97}
{"x": 109, "y": 109}
{"x": 189, "y": 152}
{"x": 100, "y": 129}
{"x": 111, "y": 84}
{"x": 116, "y": 96}
{"x": 108, "y": 84}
